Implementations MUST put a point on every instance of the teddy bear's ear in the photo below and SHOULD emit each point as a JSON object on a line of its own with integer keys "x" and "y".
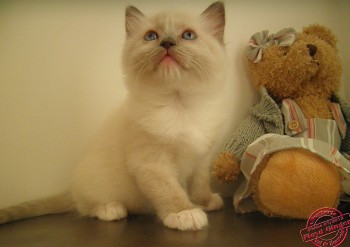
{"x": 322, "y": 33}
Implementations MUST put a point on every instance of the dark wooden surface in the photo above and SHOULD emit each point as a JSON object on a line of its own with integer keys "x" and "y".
{"x": 226, "y": 228}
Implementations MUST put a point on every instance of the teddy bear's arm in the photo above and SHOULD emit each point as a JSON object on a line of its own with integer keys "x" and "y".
{"x": 345, "y": 108}
{"x": 227, "y": 165}
{"x": 247, "y": 132}
{"x": 345, "y": 145}
{"x": 265, "y": 117}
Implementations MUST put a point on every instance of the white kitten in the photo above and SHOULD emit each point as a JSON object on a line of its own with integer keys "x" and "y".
{"x": 155, "y": 154}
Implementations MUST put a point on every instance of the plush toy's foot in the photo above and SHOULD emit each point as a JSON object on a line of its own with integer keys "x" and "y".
{"x": 294, "y": 183}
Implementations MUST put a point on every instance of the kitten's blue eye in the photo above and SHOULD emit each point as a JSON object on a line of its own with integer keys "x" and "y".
{"x": 189, "y": 35}
{"x": 151, "y": 35}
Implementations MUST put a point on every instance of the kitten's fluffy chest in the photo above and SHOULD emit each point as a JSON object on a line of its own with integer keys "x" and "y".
{"x": 176, "y": 119}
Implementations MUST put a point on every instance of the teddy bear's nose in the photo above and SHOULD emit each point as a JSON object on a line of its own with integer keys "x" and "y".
{"x": 312, "y": 49}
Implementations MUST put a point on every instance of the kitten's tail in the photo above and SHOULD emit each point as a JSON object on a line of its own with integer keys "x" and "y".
{"x": 52, "y": 205}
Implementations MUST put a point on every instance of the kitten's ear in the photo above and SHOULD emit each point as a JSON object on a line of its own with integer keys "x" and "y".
{"x": 215, "y": 16}
{"x": 133, "y": 18}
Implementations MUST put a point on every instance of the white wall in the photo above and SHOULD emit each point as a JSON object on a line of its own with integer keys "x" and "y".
{"x": 60, "y": 76}
{"x": 344, "y": 43}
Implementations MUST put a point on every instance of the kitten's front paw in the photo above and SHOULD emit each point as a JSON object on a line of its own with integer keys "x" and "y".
{"x": 192, "y": 219}
{"x": 215, "y": 203}
{"x": 111, "y": 211}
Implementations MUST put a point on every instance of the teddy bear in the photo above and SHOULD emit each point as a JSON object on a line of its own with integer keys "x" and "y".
{"x": 290, "y": 156}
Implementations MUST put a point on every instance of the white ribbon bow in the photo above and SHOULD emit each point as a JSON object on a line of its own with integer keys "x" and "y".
{"x": 259, "y": 41}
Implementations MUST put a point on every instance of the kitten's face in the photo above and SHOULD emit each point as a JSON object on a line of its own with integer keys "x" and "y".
{"x": 173, "y": 47}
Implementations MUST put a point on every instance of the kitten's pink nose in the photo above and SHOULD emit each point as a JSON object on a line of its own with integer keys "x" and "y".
{"x": 167, "y": 44}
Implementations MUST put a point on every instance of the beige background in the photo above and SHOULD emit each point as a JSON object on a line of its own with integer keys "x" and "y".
{"x": 60, "y": 76}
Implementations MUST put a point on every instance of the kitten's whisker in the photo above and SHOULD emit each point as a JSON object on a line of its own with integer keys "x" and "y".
{"x": 142, "y": 63}
{"x": 201, "y": 68}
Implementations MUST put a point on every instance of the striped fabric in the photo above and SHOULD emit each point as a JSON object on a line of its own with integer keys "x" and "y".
{"x": 327, "y": 130}
{"x": 339, "y": 118}
{"x": 320, "y": 136}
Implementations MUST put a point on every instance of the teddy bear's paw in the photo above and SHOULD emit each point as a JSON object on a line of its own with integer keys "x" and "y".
{"x": 215, "y": 203}
{"x": 187, "y": 220}
{"x": 226, "y": 167}
{"x": 295, "y": 183}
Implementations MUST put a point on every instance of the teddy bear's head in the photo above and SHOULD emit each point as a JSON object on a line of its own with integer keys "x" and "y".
{"x": 291, "y": 65}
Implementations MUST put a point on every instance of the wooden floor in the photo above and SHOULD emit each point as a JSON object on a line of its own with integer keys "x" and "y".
{"x": 226, "y": 228}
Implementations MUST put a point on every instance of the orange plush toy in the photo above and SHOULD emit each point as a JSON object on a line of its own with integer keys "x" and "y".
{"x": 293, "y": 150}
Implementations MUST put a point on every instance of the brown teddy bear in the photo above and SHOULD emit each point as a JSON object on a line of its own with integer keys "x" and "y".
{"x": 293, "y": 149}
